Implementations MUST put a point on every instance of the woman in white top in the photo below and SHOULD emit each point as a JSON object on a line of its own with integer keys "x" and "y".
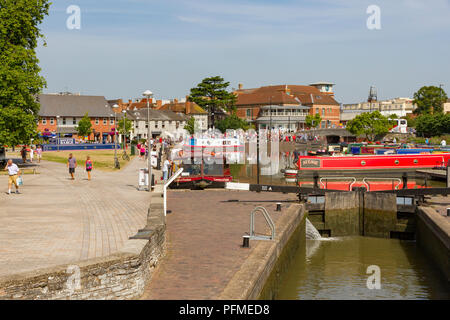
{"x": 31, "y": 154}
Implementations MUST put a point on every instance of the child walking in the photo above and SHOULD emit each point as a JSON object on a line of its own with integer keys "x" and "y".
{"x": 89, "y": 167}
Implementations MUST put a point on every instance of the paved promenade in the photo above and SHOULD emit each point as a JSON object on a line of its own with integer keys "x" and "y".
{"x": 204, "y": 238}
{"x": 58, "y": 221}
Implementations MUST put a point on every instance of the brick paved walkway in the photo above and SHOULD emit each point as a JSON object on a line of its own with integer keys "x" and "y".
{"x": 58, "y": 221}
{"x": 204, "y": 237}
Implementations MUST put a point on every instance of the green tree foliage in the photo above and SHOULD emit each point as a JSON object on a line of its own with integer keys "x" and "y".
{"x": 430, "y": 125}
{"x": 20, "y": 82}
{"x": 370, "y": 124}
{"x": 84, "y": 127}
{"x": 313, "y": 121}
{"x": 411, "y": 120}
{"x": 190, "y": 125}
{"x": 211, "y": 95}
{"x": 16, "y": 126}
{"x": 232, "y": 122}
{"x": 125, "y": 126}
{"x": 429, "y": 100}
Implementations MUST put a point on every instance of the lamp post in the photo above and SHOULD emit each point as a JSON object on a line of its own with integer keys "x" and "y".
{"x": 148, "y": 94}
{"x": 125, "y": 130}
{"x": 116, "y": 161}
{"x": 57, "y": 133}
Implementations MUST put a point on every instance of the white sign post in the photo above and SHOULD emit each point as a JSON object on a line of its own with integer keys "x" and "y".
{"x": 173, "y": 177}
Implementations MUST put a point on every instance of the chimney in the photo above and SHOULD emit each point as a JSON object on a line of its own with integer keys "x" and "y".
{"x": 240, "y": 86}
{"x": 188, "y": 107}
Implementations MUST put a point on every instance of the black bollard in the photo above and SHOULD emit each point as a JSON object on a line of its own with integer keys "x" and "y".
{"x": 316, "y": 180}
{"x": 278, "y": 206}
{"x": 245, "y": 241}
{"x": 448, "y": 212}
{"x": 405, "y": 180}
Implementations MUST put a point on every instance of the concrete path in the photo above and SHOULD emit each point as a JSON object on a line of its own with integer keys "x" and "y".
{"x": 58, "y": 221}
{"x": 204, "y": 238}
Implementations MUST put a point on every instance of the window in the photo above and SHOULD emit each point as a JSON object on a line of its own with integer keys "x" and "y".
{"x": 96, "y": 121}
{"x": 52, "y": 121}
{"x": 317, "y": 111}
{"x": 323, "y": 111}
{"x": 104, "y": 121}
{"x": 111, "y": 121}
{"x": 44, "y": 121}
{"x": 156, "y": 124}
{"x": 163, "y": 124}
{"x": 63, "y": 121}
{"x": 249, "y": 112}
{"x": 74, "y": 120}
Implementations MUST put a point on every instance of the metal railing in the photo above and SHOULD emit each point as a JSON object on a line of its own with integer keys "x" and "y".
{"x": 338, "y": 178}
{"x": 391, "y": 179}
{"x": 269, "y": 221}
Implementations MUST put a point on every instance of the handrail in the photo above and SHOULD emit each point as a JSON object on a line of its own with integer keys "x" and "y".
{"x": 171, "y": 179}
{"x": 268, "y": 220}
{"x": 396, "y": 179}
{"x": 338, "y": 178}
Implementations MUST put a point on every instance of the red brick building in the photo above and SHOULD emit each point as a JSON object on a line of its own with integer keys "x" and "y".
{"x": 60, "y": 114}
{"x": 319, "y": 97}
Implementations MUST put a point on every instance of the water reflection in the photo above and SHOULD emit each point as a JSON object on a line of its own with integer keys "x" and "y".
{"x": 336, "y": 269}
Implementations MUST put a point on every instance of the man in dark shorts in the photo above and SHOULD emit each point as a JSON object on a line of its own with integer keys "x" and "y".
{"x": 72, "y": 164}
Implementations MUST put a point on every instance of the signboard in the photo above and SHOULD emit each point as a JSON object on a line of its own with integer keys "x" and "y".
{"x": 66, "y": 141}
{"x": 310, "y": 163}
{"x": 143, "y": 178}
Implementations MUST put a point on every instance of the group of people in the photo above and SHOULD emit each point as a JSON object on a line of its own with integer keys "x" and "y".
{"x": 24, "y": 152}
{"x": 72, "y": 165}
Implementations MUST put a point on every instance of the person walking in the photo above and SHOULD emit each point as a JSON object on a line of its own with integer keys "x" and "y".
{"x": 23, "y": 154}
{"x": 14, "y": 173}
{"x": 166, "y": 169}
{"x": 142, "y": 152}
{"x": 89, "y": 166}
{"x": 72, "y": 164}
{"x": 39, "y": 153}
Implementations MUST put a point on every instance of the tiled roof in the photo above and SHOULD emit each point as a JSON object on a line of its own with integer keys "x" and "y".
{"x": 73, "y": 106}
{"x": 283, "y": 94}
{"x": 192, "y": 107}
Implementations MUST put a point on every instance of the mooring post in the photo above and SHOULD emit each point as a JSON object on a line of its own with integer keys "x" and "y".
{"x": 278, "y": 206}
{"x": 448, "y": 174}
{"x": 405, "y": 180}
{"x": 316, "y": 180}
{"x": 246, "y": 241}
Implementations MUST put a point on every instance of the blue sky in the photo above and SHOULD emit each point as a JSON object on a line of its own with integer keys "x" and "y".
{"x": 168, "y": 46}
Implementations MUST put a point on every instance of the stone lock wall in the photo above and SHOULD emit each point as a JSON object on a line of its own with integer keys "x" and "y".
{"x": 122, "y": 275}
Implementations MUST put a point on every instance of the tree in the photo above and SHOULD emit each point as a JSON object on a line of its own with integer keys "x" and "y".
{"x": 190, "y": 125}
{"x": 211, "y": 95}
{"x": 411, "y": 120}
{"x": 84, "y": 127}
{"x": 371, "y": 124}
{"x": 20, "y": 81}
{"x": 232, "y": 122}
{"x": 313, "y": 121}
{"x": 430, "y": 125}
{"x": 125, "y": 126}
{"x": 16, "y": 127}
{"x": 429, "y": 99}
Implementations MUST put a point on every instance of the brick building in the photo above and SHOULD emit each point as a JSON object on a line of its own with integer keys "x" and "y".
{"x": 60, "y": 113}
{"x": 318, "y": 97}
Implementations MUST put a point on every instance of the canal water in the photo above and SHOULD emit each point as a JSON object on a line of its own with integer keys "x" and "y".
{"x": 336, "y": 268}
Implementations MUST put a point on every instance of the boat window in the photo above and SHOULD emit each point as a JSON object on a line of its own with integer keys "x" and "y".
{"x": 213, "y": 169}
{"x": 192, "y": 169}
